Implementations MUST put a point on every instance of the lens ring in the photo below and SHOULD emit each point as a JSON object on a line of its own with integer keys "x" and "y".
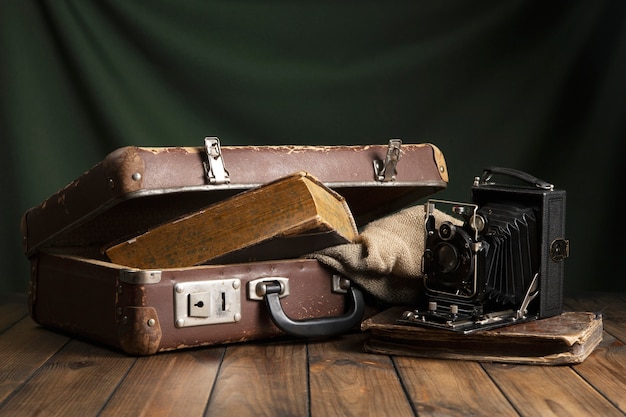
{"x": 447, "y": 231}
{"x": 447, "y": 258}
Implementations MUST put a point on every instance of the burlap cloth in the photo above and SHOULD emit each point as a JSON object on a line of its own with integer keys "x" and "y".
{"x": 386, "y": 258}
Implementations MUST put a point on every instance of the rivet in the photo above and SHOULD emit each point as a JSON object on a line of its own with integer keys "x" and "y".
{"x": 441, "y": 168}
{"x": 120, "y": 289}
{"x": 136, "y": 176}
{"x": 119, "y": 311}
{"x": 179, "y": 288}
{"x": 125, "y": 320}
{"x": 151, "y": 322}
{"x": 236, "y": 284}
{"x": 111, "y": 183}
{"x": 180, "y": 323}
{"x": 237, "y": 317}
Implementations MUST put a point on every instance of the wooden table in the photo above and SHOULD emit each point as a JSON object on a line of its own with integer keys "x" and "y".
{"x": 44, "y": 373}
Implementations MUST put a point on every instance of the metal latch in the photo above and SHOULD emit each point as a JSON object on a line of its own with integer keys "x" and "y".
{"x": 214, "y": 168}
{"x": 559, "y": 249}
{"x": 198, "y": 303}
{"x": 385, "y": 171}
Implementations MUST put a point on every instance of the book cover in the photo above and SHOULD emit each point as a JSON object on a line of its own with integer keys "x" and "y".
{"x": 563, "y": 339}
{"x": 286, "y": 218}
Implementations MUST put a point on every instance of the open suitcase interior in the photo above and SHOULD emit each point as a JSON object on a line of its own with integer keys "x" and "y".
{"x": 74, "y": 288}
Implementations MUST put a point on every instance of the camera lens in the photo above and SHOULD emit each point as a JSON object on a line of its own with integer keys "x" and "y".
{"x": 447, "y": 257}
{"x": 448, "y": 262}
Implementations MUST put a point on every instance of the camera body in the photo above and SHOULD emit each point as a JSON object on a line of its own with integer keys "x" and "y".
{"x": 502, "y": 263}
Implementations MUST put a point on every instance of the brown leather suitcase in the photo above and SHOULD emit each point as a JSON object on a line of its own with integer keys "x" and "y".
{"x": 75, "y": 289}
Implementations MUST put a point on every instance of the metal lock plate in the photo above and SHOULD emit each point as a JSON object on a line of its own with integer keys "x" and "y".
{"x": 202, "y": 303}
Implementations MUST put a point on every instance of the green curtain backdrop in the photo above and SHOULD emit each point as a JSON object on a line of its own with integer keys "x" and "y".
{"x": 538, "y": 86}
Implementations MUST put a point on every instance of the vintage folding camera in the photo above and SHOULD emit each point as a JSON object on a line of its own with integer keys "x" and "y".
{"x": 501, "y": 263}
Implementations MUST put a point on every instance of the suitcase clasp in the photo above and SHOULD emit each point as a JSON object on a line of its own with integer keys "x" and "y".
{"x": 385, "y": 171}
{"x": 216, "y": 172}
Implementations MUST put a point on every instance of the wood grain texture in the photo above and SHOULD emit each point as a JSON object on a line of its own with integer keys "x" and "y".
{"x": 24, "y": 348}
{"x": 451, "y": 388}
{"x": 610, "y": 306}
{"x": 167, "y": 385}
{"x": 605, "y": 369}
{"x": 76, "y": 381}
{"x": 261, "y": 380}
{"x": 549, "y": 391}
{"x": 291, "y": 206}
{"x": 347, "y": 382}
{"x": 44, "y": 373}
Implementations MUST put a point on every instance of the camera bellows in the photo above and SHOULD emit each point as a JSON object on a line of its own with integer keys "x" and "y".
{"x": 512, "y": 258}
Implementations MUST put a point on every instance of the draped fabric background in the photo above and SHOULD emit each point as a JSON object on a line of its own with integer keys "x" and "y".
{"x": 538, "y": 86}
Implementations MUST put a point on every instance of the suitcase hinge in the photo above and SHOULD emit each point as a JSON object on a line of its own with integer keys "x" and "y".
{"x": 140, "y": 276}
{"x": 385, "y": 171}
{"x": 214, "y": 168}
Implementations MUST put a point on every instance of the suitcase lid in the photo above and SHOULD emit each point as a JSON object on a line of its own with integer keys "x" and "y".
{"x": 135, "y": 188}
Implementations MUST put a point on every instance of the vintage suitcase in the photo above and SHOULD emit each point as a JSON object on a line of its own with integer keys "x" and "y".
{"x": 74, "y": 288}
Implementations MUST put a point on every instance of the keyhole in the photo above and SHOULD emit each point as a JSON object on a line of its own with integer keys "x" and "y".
{"x": 199, "y": 304}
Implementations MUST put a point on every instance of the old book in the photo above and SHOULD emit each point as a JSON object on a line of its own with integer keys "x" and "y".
{"x": 286, "y": 218}
{"x": 564, "y": 339}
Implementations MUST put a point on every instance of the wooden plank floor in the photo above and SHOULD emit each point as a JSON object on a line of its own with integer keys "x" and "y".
{"x": 43, "y": 373}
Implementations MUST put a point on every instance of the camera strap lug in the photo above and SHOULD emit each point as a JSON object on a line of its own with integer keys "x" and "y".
{"x": 531, "y": 294}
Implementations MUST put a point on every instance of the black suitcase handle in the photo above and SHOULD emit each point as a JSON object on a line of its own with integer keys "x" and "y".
{"x": 514, "y": 173}
{"x": 317, "y": 327}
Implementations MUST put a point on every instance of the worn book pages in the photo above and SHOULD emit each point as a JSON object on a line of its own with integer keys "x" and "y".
{"x": 564, "y": 339}
{"x": 285, "y": 218}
